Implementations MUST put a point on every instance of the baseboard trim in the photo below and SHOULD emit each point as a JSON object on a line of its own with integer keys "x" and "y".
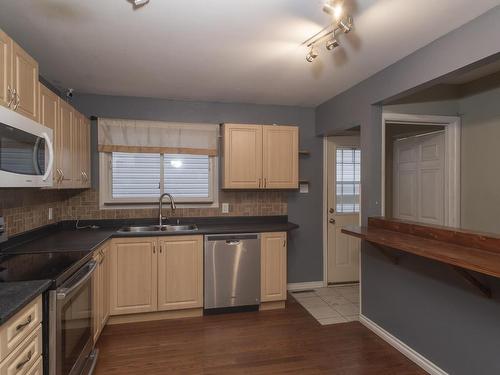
{"x": 404, "y": 349}
{"x": 293, "y": 287}
{"x": 156, "y": 315}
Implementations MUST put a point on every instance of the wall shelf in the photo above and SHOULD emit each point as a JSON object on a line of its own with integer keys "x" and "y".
{"x": 463, "y": 250}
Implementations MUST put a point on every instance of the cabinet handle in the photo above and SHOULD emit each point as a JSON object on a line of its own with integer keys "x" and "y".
{"x": 284, "y": 243}
{"x": 265, "y": 182}
{"x": 161, "y": 249}
{"x": 260, "y": 180}
{"x": 21, "y": 364}
{"x": 21, "y": 326}
{"x": 10, "y": 98}
{"x": 154, "y": 248}
{"x": 17, "y": 100}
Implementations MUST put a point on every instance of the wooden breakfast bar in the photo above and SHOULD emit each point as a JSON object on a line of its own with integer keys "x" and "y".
{"x": 462, "y": 249}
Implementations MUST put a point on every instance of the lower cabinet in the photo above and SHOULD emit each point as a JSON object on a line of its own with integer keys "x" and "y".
{"x": 101, "y": 289}
{"x": 156, "y": 274}
{"x": 180, "y": 272}
{"x": 133, "y": 284}
{"x": 273, "y": 266}
{"x": 21, "y": 341}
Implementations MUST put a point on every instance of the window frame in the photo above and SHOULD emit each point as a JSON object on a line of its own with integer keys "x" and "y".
{"x": 106, "y": 199}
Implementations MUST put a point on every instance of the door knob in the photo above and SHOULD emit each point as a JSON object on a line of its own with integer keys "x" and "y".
{"x": 331, "y": 210}
{"x": 331, "y": 221}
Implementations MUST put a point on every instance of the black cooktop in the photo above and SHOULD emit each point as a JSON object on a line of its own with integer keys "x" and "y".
{"x": 55, "y": 266}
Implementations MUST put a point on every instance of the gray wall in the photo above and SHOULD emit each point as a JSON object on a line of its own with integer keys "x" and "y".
{"x": 305, "y": 254}
{"x": 421, "y": 302}
{"x": 480, "y": 187}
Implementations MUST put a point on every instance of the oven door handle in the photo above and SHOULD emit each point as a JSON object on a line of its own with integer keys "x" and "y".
{"x": 64, "y": 292}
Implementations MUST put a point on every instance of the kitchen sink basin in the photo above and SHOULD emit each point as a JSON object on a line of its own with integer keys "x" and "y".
{"x": 158, "y": 228}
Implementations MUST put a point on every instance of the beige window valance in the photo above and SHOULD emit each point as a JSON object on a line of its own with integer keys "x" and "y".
{"x": 118, "y": 135}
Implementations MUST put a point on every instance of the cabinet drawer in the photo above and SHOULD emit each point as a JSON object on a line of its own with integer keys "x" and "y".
{"x": 24, "y": 357}
{"x": 17, "y": 328}
{"x": 37, "y": 368}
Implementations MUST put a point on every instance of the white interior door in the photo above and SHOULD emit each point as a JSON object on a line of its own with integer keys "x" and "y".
{"x": 344, "y": 189}
{"x": 419, "y": 168}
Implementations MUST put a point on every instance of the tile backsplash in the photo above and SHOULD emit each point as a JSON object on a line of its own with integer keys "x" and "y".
{"x": 26, "y": 209}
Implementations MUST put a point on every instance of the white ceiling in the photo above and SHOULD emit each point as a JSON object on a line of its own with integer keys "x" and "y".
{"x": 246, "y": 51}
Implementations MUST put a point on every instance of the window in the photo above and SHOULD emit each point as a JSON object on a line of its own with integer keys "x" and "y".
{"x": 141, "y": 177}
{"x": 348, "y": 175}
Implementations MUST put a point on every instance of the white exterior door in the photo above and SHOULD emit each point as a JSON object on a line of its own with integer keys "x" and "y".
{"x": 344, "y": 176}
{"x": 419, "y": 171}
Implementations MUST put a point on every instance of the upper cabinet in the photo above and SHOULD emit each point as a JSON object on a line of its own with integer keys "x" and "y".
{"x": 5, "y": 69}
{"x": 24, "y": 83}
{"x": 242, "y": 154}
{"x": 260, "y": 157}
{"x": 280, "y": 157}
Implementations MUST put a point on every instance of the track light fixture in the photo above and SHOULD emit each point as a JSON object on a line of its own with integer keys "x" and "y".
{"x": 138, "y": 3}
{"x": 311, "y": 55}
{"x": 345, "y": 24}
{"x": 342, "y": 23}
{"x": 332, "y": 43}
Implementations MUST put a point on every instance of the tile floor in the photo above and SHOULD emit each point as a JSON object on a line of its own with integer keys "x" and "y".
{"x": 333, "y": 304}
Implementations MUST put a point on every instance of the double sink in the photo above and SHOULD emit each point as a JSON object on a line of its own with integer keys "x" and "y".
{"x": 159, "y": 228}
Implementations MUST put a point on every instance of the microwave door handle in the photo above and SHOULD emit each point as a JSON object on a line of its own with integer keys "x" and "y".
{"x": 51, "y": 156}
{"x": 64, "y": 292}
{"x": 36, "y": 164}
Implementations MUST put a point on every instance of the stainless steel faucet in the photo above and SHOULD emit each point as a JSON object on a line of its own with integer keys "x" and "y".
{"x": 160, "y": 208}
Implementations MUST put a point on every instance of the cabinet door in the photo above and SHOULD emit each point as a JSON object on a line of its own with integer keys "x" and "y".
{"x": 105, "y": 278}
{"x": 25, "y": 81}
{"x": 180, "y": 272}
{"x": 77, "y": 147}
{"x": 96, "y": 297}
{"x": 48, "y": 112}
{"x": 64, "y": 136}
{"x": 273, "y": 267}
{"x": 133, "y": 284}
{"x": 280, "y": 157}
{"x": 85, "y": 151}
{"x": 242, "y": 156}
{"x": 5, "y": 68}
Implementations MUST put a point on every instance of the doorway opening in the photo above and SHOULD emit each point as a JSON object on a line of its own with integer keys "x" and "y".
{"x": 342, "y": 208}
{"x": 421, "y": 168}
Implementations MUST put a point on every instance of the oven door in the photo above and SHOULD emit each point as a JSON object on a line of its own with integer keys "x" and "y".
{"x": 71, "y": 340}
{"x": 26, "y": 152}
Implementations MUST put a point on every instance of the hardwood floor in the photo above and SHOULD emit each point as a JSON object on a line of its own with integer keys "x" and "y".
{"x": 288, "y": 341}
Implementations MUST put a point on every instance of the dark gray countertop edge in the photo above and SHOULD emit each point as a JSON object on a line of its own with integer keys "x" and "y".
{"x": 16, "y": 295}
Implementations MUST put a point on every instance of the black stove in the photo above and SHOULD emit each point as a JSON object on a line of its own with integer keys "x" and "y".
{"x": 55, "y": 266}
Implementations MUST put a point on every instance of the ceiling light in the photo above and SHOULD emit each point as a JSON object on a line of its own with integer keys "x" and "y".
{"x": 332, "y": 44}
{"x": 140, "y": 3}
{"x": 311, "y": 55}
{"x": 335, "y": 10}
{"x": 346, "y": 24}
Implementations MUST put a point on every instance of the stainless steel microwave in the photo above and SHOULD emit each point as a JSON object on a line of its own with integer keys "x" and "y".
{"x": 26, "y": 151}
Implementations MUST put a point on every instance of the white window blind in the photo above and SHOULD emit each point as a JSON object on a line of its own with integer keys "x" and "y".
{"x": 348, "y": 174}
{"x": 187, "y": 176}
{"x": 142, "y": 177}
{"x": 135, "y": 175}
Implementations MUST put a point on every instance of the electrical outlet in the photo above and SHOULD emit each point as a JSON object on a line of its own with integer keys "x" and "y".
{"x": 51, "y": 213}
{"x": 225, "y": 208}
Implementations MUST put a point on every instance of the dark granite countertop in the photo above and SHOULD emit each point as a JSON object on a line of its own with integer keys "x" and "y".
{"x": 15, "y": 295}
{"x": 64, "y": 237}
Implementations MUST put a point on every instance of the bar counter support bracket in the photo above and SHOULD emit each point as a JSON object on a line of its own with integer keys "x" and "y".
{"x": 485, "y": 290}
{"x": 393, "y": 258}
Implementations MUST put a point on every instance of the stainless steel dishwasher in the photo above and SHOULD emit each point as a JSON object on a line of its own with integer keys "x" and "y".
{"x": 232, "y": 270}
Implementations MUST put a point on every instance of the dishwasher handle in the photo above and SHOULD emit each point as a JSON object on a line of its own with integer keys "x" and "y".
{"x": 233, "y": 242}
{"x": 232, "y": 237}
